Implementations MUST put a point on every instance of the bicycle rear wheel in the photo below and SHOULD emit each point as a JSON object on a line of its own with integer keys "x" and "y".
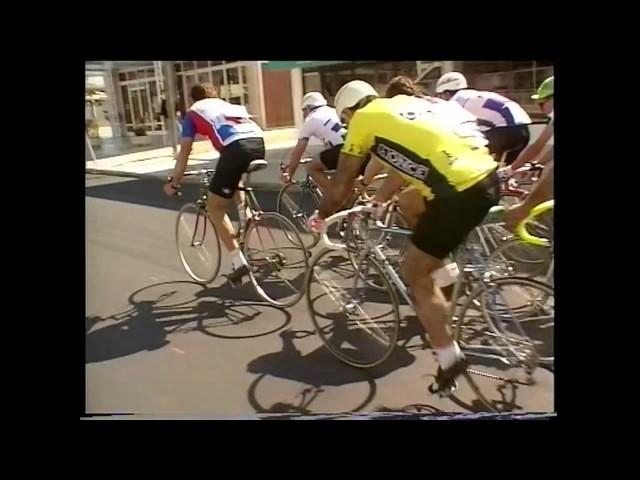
{"x": 277, "y": 257}
{"x": 198, "y": 243}
{"x": 357, "y": 323}
{"x": 297, "y": 202}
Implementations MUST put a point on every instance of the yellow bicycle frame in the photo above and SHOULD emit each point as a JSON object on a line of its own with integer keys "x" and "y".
{"x": 521, "y": 231}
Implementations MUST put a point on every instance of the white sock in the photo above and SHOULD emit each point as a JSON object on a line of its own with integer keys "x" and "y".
{"x": 447, "y": 356}
{"x": 237, "y": 259}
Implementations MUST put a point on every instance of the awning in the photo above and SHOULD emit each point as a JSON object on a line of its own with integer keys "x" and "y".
{"x": 289, "y": 65}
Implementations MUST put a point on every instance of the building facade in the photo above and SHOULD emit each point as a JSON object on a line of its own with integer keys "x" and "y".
{"x": 124, "y": 98}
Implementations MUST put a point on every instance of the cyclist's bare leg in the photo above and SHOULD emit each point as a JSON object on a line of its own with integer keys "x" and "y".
{"x": 217, "y": 207}
{"x": 239, "y": 197}
{"x": 316, "y": 170}
{"x": 411, "y": 204}
{"x": 430, "y": 304}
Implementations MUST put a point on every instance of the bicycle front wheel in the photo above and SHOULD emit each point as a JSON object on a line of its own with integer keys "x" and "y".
{"x": 277, "y": 257}
{"x": 358, "y": 323}
{"x": 297, "y": 202}
{"x": 198, "y": 243}
{"x": 511, "y": 320}
{"x": 517, "y": 257}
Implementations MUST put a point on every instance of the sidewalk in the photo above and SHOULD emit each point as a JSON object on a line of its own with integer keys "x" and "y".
{"x": 160, "y": 162}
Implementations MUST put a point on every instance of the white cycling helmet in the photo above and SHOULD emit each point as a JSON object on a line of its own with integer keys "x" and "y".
{"x": 313, "y": 100}
{"x": 351, "y": 93}
{"x": 451, "y": 81}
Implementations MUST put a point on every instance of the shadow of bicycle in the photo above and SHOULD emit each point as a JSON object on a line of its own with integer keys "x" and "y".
{"x": 166, "y": 308}
{"x": 317, "y": 370}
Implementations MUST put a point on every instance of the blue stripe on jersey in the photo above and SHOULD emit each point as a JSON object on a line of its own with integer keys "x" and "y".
{"x": 501, "y": 108}
{"x": 225, "y": 131}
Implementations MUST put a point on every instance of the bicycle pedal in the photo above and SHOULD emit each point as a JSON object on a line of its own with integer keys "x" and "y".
{"x": 443, "y": 391}
{"x": 235, "y": 278}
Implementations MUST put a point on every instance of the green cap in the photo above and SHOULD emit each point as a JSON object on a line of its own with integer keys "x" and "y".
{"x": 544, "y": 90}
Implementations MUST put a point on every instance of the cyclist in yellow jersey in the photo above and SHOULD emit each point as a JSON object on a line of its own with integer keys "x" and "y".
{"x": 442, "y": 154}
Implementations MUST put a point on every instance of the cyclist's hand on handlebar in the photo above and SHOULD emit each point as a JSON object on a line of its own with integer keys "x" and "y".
{"x": 504, "y": 173}
{"x": 170, "y": 190}
{"x": 315, "y": 223}
{"x": 285, "y": 175}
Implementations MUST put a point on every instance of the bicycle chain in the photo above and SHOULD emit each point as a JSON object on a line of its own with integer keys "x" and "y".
{"x": 497, "y": 377}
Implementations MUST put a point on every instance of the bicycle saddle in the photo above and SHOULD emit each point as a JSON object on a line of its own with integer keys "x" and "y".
{"x": 256, "y": 165}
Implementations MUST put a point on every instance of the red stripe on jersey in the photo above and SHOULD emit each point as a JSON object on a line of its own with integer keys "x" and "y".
{"x": 205, "y": 128}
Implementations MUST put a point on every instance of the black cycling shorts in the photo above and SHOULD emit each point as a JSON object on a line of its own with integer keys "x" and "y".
{"x": 511, "y": 139}
{"x": 330, "y": 156}
{"x": 447, "y": 221}
{"x": 234, "y": 161}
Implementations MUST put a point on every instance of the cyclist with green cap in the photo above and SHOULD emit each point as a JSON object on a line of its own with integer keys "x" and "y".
{"x": 542, "y": 146}
{"x": 543, "y": 190}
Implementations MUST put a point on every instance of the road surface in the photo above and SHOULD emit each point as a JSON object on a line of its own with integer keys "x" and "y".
{"x": 159, "y": 344}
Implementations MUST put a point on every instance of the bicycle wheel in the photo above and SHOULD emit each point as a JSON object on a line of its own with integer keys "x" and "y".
{"x": 297, "y": 202}
{"x": 198, "y": 243}
{"x": 517, "y": 257}
{"x": 277, "y": 257}
{"x": 358, "y": 324}
{"x": 508, "y": 320}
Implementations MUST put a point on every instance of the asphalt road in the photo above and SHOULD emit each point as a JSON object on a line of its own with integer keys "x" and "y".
{"x": 159, "y": 344}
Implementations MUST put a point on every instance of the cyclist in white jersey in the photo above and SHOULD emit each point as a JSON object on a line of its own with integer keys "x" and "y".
{"x": 542, "y": 150}
{"x": 503, "y": 121}
{"x": 320, "y": 121}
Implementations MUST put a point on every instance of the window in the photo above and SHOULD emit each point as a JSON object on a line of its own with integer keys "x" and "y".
{"x": 215, "y": 63}
{"x": 202, "y": 64}
{"x": 178, "y": 66}
{"x": 216, "y": 78}
{"x": 188, "y": 66}
{"x": 204, "y": 77}
{"x": 127, "y": 106}
{"x": 522, "y": 80}
{"x": 122, "y": 76}
{"x": 233, "y": 76}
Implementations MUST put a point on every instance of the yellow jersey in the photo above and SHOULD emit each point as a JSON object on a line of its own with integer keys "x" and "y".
{"x": 434, "y": 144}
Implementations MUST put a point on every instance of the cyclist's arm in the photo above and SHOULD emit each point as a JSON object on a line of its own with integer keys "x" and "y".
{"x": 534, "y": 149}
{"x": 542, "y": 192}
{"x": 296, "y": 155}
{"x": 354, "y": 151}
{"x": 186, "y": 143}
{"x": 547, "y": 156}
{"x": 341, "y": 184}
{"x": 391, "y": 185}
